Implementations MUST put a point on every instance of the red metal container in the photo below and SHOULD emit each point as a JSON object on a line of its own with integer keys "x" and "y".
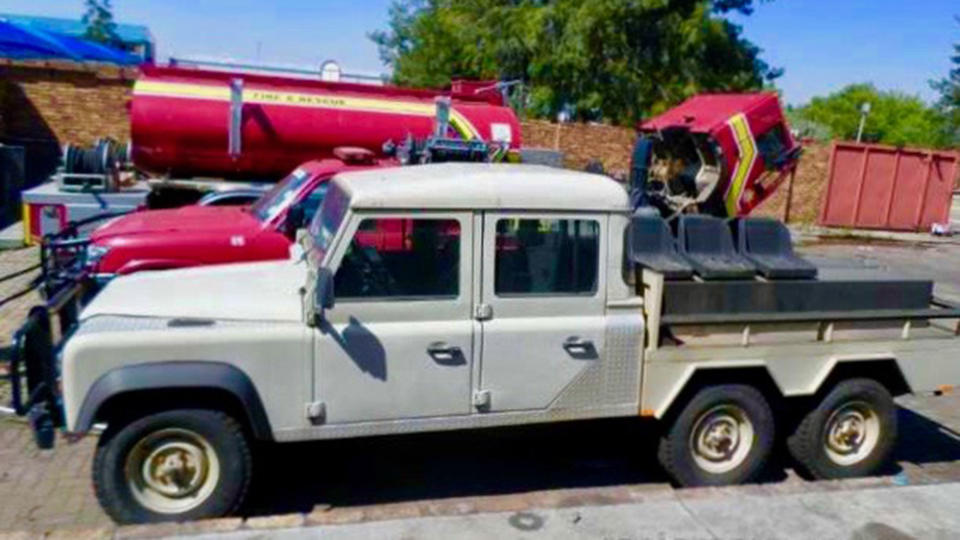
{"x": 181, "y": 120}
{"x": 873, "y": 186}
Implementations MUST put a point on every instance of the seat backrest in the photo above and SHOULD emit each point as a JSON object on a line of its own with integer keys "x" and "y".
{"x": 704, "y": 235}
{"x": 650, "y": 235}
{"x": 763, "y": 236}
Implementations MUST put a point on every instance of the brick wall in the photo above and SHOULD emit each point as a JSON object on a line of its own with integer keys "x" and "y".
{"x": 581, "y": 143}
{"x": 64, "y": 101}
{"x": 45, "y": 104}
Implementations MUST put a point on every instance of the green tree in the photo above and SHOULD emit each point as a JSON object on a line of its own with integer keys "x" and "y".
{"x": 98, "y": 18}
{"x": 895, "y": 118}
{"x": 949, "y": 90}
{"x": 612, "y": 60}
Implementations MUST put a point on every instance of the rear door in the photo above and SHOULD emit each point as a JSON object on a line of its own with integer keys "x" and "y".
{"x": 542, "y": 305}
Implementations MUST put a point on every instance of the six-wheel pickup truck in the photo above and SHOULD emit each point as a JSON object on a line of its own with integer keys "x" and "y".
{"x": 516, "y": 295}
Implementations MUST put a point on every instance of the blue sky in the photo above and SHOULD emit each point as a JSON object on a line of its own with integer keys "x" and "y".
{"x": 822, "y": 44}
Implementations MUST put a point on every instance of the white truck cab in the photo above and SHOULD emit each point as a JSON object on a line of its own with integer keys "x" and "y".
{"x": 459, "y": 296}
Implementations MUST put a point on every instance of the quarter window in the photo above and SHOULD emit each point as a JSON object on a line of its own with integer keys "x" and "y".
{"x": 546, "y": 256}
{"x": 401, "y": 258}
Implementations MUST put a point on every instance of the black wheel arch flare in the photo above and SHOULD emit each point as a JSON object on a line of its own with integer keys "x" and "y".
{"x": 177, "y": 375}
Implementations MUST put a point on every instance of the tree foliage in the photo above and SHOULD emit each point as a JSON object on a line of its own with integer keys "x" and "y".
{"x": 895, "y": 118}
{"x": 949, "y": 90}
{"x": 613, "y": 60}
{"x": 98, "y": 18}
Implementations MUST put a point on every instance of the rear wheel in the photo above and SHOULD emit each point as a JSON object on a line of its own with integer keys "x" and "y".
{"x": 724, "y": 435}
{"x": 850, "y": 433}
{"x": 173, "y": 466}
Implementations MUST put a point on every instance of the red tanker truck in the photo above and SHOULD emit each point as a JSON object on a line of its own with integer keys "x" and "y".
{"x": 196, "y": 131}
{"x": 194, "y": 123}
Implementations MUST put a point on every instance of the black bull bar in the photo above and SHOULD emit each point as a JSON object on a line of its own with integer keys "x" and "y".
{"x": 33, "y": 371}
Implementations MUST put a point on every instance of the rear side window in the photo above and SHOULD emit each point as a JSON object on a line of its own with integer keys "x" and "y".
{"x": 401, "y": 258}
{"x": 546, "y": 256}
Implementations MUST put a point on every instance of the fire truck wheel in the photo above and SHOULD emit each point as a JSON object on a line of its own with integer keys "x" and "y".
{"x": 175, "y": 465}
{"x": 724, "y": 435}
{"x": 850, "y": 433}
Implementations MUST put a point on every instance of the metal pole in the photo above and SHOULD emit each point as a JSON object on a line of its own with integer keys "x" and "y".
{"x": 864, "y": 111}
{"x": 789, "y": 202}
{"x": 235, "y": 126}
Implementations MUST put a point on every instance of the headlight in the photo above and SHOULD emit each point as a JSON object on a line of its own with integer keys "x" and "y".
{"x": 95, "y": 253}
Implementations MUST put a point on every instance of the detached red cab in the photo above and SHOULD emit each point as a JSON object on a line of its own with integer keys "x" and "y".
{"x": 201, "y": 235}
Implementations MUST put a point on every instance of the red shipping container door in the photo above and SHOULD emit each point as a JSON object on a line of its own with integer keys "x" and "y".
{"x": 873, "y": 186}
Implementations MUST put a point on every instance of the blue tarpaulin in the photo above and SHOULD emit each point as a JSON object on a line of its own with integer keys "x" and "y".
{"x": 24, "y": 43}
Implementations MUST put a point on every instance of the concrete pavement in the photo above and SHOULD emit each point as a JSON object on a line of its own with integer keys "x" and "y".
{"x": 890, "y": 513}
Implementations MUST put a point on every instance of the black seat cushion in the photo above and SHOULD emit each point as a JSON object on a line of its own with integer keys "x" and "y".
{"x": 706, "y": 242}
{"x": 652, "y": 246}
{"x": 766, "y": 242}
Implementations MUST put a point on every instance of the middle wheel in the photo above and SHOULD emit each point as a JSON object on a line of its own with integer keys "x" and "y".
{"x": 724, "y": 435}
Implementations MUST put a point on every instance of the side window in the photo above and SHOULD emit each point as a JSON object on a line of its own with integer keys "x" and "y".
{"x": 396, "y": 258}
{"x": 312, "y": 201}
{"x": 771, "y": 146}
{"x": 546, "y": 256}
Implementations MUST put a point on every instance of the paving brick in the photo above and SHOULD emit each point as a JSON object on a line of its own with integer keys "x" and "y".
{"x": 280, "y": 521}
{"x": 334, "y": 516}
{"x": 155, "y": 530}
{"x": 211, "y": 526}
{"x": 94, "y": 533}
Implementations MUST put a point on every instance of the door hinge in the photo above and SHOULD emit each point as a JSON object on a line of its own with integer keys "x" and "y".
{"x": 483, "y": 312}
{"x": 481, "y": 400}
{"x": 317, "y": 412}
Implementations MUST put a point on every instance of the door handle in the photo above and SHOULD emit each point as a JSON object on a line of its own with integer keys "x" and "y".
{"x": 446, "y": 355}
{"x": 579, "y": 348}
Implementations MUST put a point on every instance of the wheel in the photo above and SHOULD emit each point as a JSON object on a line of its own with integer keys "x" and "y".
{"x": 172, "y": 466}
{"x": 850, "y": 433}
{"x": 724, "y": 435}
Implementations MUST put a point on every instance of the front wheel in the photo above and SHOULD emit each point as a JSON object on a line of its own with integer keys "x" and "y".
{"x": 850, "y": 433}
{"x": 724, "y": 435}
{"x": 173, "y": 466}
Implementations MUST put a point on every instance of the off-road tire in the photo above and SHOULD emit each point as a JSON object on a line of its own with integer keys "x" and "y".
{"x": 808, "y": 443}
{"x": 225, "y": 436}
{"x": 676, "y": 451}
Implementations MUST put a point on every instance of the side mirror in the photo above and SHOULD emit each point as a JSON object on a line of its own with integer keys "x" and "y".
{"x": 296, "y": 219}
{"x": 323, "y": 299}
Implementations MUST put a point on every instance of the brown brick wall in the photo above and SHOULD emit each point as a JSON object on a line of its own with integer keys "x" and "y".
{"x": 64, "y": 102}
{"x": 581, "y": 143}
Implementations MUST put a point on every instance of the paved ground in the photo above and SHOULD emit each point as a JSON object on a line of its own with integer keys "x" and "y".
{"x": 741, "y": 513}
{"x": 552, "y": 471}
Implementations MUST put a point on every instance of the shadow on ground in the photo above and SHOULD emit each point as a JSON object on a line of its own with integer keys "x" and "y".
{"x": 378, "y": 470}
{"x": 295, "y": 478}
{"x": 923, "y": 441}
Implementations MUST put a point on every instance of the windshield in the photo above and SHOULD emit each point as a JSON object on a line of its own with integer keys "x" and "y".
{"x": 279, "y": 197}
{"x": 326, "y": 222}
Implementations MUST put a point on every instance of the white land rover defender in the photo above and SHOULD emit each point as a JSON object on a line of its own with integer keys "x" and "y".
{"x": 457, "y": 296}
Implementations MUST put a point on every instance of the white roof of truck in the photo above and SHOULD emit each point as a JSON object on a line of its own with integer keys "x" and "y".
{"x": 482, "y": 186}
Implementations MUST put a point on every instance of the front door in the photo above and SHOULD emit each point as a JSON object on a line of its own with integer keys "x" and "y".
{"x": 399, "y": 341}
{"x": 543, "y": 287}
